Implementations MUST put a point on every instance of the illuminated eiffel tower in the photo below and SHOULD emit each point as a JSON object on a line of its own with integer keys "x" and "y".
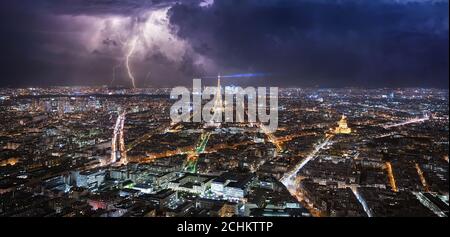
{"x": 218, "y": 108}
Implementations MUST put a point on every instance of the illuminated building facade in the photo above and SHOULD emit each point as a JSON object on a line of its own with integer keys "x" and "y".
{"x": 342, "y": 126}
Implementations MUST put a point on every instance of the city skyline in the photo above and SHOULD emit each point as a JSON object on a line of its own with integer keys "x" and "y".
{"x": 106, "y": 152}
{"x": 224, "y": 108}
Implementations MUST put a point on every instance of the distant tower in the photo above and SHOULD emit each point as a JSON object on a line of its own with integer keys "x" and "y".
{"x": 342, "y": 126}
{"x": 219, "y": 102}
{"x": 218, "y": 81}
{"x": 218, "y": 108}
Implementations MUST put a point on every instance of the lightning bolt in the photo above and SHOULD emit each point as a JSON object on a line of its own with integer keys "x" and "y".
{"x": 130, "y": 53}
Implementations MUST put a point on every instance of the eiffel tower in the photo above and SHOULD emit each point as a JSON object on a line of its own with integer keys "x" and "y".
{"x": 218, "y": 109}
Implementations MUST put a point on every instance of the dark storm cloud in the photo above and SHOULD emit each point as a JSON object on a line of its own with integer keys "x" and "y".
{"x": 40, "y": 48}
{"x": 326, "y": 43}
{"x": 88, "y": 7}
{"x": 96, "y": 7}
{"x": 300, "y": 42}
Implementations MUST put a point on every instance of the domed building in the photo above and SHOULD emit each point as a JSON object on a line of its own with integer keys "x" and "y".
{"x": 342, "y": 126}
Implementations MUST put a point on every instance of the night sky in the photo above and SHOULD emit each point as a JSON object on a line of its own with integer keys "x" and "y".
{"x": 324, "y": 43}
